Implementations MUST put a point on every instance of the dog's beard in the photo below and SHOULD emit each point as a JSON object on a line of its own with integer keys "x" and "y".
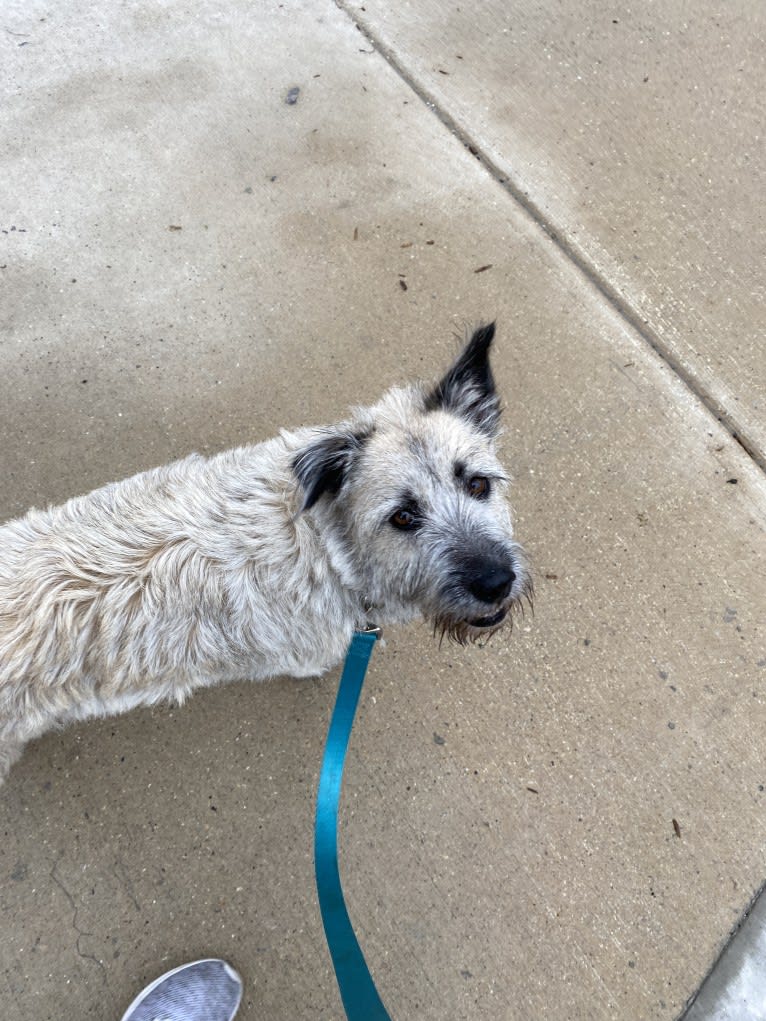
{"x": 464, "y": 631}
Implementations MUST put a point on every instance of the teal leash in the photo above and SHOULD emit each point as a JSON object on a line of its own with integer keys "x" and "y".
{"x": 357, "y": 989}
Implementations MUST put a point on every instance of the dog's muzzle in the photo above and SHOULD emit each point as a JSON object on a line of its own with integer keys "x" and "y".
{"x": 484, "y": 591}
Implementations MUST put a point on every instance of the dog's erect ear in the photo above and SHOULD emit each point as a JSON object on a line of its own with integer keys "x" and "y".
{"x": 468, "y": 388}
{"x": 322, "y": 466}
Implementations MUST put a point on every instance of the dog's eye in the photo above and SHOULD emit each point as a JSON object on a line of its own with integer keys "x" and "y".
{"x": 404, "y": 519}
{"x": 478, "y": 487}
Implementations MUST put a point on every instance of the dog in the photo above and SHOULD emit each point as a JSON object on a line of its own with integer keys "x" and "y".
{"x": 262, "y": 560}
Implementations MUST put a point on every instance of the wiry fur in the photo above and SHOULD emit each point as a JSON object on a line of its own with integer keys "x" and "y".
{"x": 258, "y": 561}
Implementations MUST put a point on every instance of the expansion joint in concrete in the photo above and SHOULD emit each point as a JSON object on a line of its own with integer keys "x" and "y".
{"x": 588, "y": 271}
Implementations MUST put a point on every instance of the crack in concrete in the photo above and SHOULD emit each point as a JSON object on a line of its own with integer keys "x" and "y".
{"x": 80, "y": 932}
{"x": 123, "y": 878}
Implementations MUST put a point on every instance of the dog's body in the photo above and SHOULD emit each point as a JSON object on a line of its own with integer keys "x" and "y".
{"x": 261, "y": 560}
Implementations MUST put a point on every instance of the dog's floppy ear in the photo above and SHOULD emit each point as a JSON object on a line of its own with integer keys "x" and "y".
{"x": 468, "y": 388}
{"x": 323, "y": 466}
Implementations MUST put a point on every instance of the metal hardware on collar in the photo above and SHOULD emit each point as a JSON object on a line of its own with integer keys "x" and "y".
{"x": 357, "y": 989}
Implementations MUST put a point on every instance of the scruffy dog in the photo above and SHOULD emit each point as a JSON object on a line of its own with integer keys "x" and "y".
{"x": 261, "y": 560}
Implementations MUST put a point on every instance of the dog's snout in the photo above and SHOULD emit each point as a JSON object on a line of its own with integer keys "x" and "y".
{"x": 492, "y": 582}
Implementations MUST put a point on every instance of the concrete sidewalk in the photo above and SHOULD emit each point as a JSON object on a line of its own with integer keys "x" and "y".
{"x": 636, "y": 135}
{"x": 567, "y": 823}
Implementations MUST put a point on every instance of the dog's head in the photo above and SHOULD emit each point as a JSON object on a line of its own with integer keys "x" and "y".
{"x": 413, "y": 491}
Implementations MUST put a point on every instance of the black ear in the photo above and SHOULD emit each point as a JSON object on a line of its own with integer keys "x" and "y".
{"x": 468, "y": 389}
{"x": 323, "y": 466}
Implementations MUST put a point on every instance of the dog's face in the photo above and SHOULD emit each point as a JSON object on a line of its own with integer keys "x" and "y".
{"x": 416, "y": 493}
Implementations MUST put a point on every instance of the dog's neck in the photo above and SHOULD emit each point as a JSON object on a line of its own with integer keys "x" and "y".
{"x": 338, "y": 550}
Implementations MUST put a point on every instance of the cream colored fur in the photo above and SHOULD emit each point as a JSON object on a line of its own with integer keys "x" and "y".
{"x": 214, "y": 569}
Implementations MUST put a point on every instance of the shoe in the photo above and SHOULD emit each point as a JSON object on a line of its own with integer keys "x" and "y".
{"x": 207, "y": 990}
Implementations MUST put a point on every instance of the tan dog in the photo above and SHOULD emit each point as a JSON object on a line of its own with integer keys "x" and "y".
{"x": 261, "y": 560}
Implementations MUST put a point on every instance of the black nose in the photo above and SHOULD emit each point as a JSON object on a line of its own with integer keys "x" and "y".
{"x": 492, "y": 583}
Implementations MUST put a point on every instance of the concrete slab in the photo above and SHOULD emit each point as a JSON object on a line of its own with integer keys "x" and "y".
{"x": 736, "y": 988}
{"x": 566, "y": 823}
{"x": 635, "y": 133}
